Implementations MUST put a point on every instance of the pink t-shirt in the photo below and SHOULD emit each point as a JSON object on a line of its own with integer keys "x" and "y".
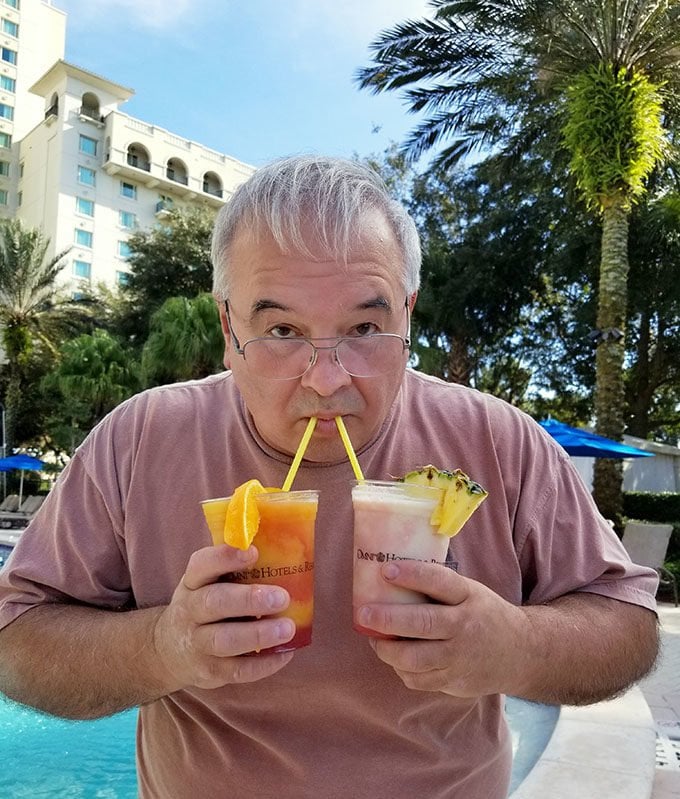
{"x": 120, "y": 525}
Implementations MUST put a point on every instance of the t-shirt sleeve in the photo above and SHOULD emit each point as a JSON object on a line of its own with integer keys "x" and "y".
{"x": 567, "y": 546}
{"x": 73, "y": 551}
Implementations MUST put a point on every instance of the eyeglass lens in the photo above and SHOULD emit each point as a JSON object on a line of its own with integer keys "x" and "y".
{"x": 285, "y": 359}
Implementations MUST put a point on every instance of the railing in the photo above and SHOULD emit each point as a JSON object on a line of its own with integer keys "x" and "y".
{"x": 208, "y": 189}
{"x": 139, "y": 163}
{"x": 52, "y": 111}
{"x": 90, "y": 113}
{"x": 177, "y": 178}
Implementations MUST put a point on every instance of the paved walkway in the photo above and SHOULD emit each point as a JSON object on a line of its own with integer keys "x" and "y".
{"x": 662, "y": 692}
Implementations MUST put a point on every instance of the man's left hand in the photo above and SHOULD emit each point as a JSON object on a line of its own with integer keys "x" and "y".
{"x": 468, "y": 641}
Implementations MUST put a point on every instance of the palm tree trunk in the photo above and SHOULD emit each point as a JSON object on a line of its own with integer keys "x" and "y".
{"x": 459, "y": 367}
{"x": 609, "y": 384}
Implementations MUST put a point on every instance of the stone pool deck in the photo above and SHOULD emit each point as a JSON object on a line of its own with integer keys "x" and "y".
{"x": 661, "y": 689}
{"x": 626, "y": 748}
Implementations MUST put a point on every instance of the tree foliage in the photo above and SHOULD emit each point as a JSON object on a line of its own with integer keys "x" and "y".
{"x": 185, "y": 341}
{"x": 95, "y": 373}
{"x": 34, "y": 317}
{"x": 597, "y": 78}
{"x": 169, "y": 260}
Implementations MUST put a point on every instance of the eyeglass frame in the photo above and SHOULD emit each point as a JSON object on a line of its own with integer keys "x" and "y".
{"x": 240, "y": 350}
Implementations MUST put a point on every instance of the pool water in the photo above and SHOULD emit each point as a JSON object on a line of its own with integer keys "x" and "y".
{"x": 51, "y": 758}
{"x": 48, "y": 757}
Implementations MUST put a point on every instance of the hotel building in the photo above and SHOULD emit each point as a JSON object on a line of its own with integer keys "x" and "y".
{"x": 75, "y": 166}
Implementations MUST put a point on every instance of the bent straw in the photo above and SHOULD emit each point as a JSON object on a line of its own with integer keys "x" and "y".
{"x": 349, "y": 448}
{"x": 295, "y": 465}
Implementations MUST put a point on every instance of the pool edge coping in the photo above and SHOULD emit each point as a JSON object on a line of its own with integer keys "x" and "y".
{"x": 605, "y": 750}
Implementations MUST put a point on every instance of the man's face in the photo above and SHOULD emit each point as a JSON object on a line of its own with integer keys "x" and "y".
{"x": 273, "y": 294}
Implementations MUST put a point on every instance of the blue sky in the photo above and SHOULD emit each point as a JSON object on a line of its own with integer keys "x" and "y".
{"x": 255, "y": 79}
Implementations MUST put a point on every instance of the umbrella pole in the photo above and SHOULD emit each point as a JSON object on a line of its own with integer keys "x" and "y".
{"x": 21, "y": 486}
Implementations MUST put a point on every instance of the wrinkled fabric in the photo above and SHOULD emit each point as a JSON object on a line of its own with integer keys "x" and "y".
{"x": 119, "y": 527}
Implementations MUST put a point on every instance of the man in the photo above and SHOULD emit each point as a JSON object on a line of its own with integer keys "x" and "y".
{"x": 113, "y": 596}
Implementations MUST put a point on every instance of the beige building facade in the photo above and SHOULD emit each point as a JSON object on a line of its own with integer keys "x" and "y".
{"x": 81, "y": 170}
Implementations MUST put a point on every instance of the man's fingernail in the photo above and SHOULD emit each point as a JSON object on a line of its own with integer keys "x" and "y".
{"x": 285, "y": 630}
{"x": 390, "y": 571}
{"x": 364, "y": 616}
{"x": 245, "y": 555}
{"x": 275, "y": 599}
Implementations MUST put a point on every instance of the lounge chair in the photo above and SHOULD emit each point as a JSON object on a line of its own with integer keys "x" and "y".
{"x": 11, "y": 520}
{"x": 647, "y": 545}
{"x": 10, "y": 503}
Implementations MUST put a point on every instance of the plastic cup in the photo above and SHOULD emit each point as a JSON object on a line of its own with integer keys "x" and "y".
{"x": 391, "y": 523}
{"x": 285, "y": 542}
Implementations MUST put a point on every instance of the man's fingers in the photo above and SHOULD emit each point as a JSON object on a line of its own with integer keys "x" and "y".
{"x": 209, "y": 564}
{"x": 432, "y": 579}
{"x": 221, "y": 601}
{"x": 230, "y": 639}
{"x": 423, "y": 621}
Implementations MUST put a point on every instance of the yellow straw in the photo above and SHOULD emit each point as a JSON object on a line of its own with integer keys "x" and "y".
{"x": 295, "y": 465}
{"x": 349, "y": 448}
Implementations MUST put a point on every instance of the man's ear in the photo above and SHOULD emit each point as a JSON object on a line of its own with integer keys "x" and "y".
{"x": 412, "y": 301}
{"x": 224, "y": 323}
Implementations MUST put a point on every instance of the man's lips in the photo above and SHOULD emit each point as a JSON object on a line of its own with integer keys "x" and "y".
{"x": 325, "y": 425}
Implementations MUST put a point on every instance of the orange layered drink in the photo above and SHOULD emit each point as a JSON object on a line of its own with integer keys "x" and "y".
{"x": 284, "y": 537}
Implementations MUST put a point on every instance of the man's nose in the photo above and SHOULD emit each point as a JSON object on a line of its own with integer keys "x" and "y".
{"x": 325, "y": 376}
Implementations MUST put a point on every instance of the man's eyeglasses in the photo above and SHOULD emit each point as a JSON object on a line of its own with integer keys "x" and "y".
{"x": 289, "y": 358}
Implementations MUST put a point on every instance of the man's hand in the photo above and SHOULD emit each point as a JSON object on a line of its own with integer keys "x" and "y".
{"x": 467, "y": 645}
{"x": 201, "y": 633}
{"x": 577, "y": 649}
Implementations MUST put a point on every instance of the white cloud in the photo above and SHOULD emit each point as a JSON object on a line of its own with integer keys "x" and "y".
{"x": 350, "y": 21}
{"x": 357, "y": 20}
{"x": 154, "y": 15}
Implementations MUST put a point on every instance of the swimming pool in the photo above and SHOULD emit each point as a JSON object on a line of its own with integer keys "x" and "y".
{"x": 57, "y": 759}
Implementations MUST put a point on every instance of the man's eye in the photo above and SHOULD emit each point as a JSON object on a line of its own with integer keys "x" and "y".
{"x": 282, "y": 331}
{"x": 366, "y": 329}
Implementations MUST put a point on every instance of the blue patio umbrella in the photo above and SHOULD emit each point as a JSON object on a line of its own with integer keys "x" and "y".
{"x": 589, "y": 445}
{"x": 24, "y": 463}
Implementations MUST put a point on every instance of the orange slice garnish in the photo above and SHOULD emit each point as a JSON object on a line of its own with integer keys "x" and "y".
{"x": 243, "y": 517}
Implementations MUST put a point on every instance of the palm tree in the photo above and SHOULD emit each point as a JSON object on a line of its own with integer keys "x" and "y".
{"x": 186, "y": 340}
{"x": 30, "y": 309}
{"x": 597, "y": 80}
{"x": 95, "y": 373}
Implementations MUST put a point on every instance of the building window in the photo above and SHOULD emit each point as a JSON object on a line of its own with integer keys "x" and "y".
{"x": 122, "y": 278}
{"x": 87, "y": 145}
{"x": 4, "y": 197}
{"x": 20, "y": 198}
{"x": 86, "y": 176}
{"x": 11, "y": 3}
{"x": 9, "y": 56}
{"x": 82, "y": 269}
{"x": 6, "y": 111}
{"x": 128, "y": 190}
{"x": 5, "y": 140}
{"x": 85, "y": 207}
{"x": 127, "y": 219}
{"x": 4, "y": 168}
{"x": 124, "y": 250}
{"x": 8, "y": 84}
{"x": 10, "y": 28}
{"x": 84, "y": 238}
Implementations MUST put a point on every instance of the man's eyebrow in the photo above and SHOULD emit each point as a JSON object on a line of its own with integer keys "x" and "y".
{"x": 258, "y": 306}
{"x": 377, "y": 302}
{"x": 266, "y": 305}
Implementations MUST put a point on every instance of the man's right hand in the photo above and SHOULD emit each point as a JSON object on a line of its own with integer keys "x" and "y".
{"x": 200, "y": 635}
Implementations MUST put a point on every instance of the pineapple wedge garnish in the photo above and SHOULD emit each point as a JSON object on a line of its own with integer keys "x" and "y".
{"x": 460, "y": 497}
